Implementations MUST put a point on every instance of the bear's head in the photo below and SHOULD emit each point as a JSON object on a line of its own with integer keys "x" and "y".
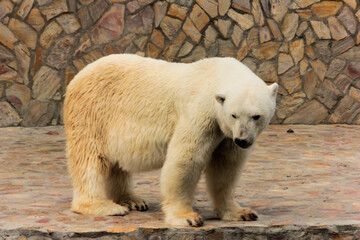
{"x": 243, "y": 112}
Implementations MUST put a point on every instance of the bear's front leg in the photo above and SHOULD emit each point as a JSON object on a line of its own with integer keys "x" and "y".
{"x": 187, "y": 155}
{"x": 222, "y": 174}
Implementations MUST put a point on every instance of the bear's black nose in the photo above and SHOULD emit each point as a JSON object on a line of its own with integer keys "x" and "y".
{"x": 243, "y": 143}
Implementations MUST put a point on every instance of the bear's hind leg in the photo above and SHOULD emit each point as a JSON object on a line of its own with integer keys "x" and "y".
{"x": 89, "y": 173}
{"x": 119, "y": 189}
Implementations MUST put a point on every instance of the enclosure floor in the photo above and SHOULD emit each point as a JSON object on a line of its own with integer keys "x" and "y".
{"x": 307, "y": 178}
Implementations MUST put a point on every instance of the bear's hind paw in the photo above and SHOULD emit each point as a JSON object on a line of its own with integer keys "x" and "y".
{"x": 191, "y": 219}
{"x": 134, "y": 203}
{"x": 241, "y": 214}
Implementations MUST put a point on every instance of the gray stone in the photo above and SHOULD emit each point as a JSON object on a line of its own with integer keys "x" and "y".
{"x": 97, "y": 9}
{"x": 19, "y": 96}
{"x": 339, "y": 47}
{"x": 159, "y": 11}
{"x": 328, "y": 94}
{"x": 59, "y": 54}
{"x": 198, "y": 53}
{"x": 39, "y": 114}
{"x": 141, "y": 23}
{"x": 289, "y": 104}
{"x": 311, "y": 112}
{"x": 267, "y": 72}
{"x": 69, "y": 23}
{"x": 335, "y": 67}
{"x": 46, "y": 83}
{"x": 226, "y": 48}
{"x": 348, "y": 19}
{"x": 342, "y": 82}
{"x": 346, "y": 111}
{"x": 322, "y": 50}
{"x": 8, "y": 115}
{"x": 291, "y": 80}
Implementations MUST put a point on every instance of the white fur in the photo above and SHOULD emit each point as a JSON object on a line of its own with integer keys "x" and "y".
{"x": 125, "y": 114}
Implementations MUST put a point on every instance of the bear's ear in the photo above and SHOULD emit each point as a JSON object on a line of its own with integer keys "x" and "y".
{"x": 220, "y": 98}
{"x": 273, "y": 89}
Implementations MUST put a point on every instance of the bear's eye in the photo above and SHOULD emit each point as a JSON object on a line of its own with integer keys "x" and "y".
{"x": 255, "y": 117}
{"x": 234, "y": 116}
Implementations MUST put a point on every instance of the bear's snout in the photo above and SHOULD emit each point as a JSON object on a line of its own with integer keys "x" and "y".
{"x": 243, "y": 143}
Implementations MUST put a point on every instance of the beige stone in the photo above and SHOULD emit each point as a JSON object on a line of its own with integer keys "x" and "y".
{"x": 275, "y": 29}
{"x": 6, "y": 7}
{"x": 185, "y": 49}
{"x": 250, "y": 63}
{"x": 243, "y": 50}
{"x": 35, "y": 19}
{"x": 253, "y": 38}
{"x": 170, "y": 26}
{"x": 171, "y": 51}
{"x": 291, "y": 80}
{"x": 311, "y": 83}
{"x": 237, "y": 35}
{"x": 267, "y": 72}
{"x": 303, "y": 66}
{"x": 223, "y": 26}
{"x": 22, "y": 54}
{"x": 289, "y": 104}
{"x": 309, "y": 50}
{"x": 69, "y": 23}
{"x": 304, "y": 13}
{"x": 358, "y": 38}
{"x": 55, "y": 9}
{"x": 69, "y": 75}
{"x": 346, "y": 111}
{"x": 319, "y": 68}
{"x": 311, "y": 112}
{"x": 338, "y": 32}
{"x": 297, "y": 50}
{"x": 210, "y": 36}
{"x": 210, "y": 7}
{"x": 305, "y": 3}
{"x": 224, "y": 6}
{"x": 46, "y": 83}
{"x": 39, "y": 54}
{"x": 245, "y": 21}
{"x": 289, "y": 26}
{"x": 257, "y": 13}
{"x": 159, "y": 11}
{"x": 25, "y": 8}
{"x": 284, "y": 48}
{"x": 157, "y": 38}
{"x": 357, "y": 14}
{"x": 354, "y": 93}
{"x": 264, "y": 34}
{"x": 126, "y": 40}
{"x": 190, "y": 30}
{"x": 309, "y": 37}
{"x": 326, "y": 9}
{"x": 177, "y": 11}
{"x": 279, "y": 8}
{"x": 49, "y": 34}
{"x": 199, "y": 17}
{"x": 321, "y": 30}
{"x": 7, "y": 37}
{"x": 152, "y": 50}
{"x": 301, "y": 29}
{"x": 284, "y": 63}
{"x": 79, "y": 64}
{"x": 351, "y": 3}
{"x": 24, "y": 32}
{"x": 266, "y": 50}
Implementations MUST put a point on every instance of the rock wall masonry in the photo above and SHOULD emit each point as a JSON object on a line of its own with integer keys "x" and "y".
{"x": 310, "y": 47}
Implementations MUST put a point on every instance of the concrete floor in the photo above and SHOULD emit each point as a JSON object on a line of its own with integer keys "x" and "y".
{"x": 305, "y": 184}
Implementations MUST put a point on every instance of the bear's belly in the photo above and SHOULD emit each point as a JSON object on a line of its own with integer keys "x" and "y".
{"x": 138, "y": 153}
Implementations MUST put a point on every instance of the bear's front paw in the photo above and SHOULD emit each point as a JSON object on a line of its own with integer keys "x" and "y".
{"x": 240, "y": 214}
{"x": 188, "y": 219}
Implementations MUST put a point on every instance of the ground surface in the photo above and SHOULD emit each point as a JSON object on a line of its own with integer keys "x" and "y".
{"x": 304, "y": 184}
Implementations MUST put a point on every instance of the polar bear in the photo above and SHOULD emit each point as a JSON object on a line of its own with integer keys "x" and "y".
{"x": 125, "y": 113}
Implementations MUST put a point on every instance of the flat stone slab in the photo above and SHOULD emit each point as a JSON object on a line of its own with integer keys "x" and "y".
{"x": 303, "y": 185}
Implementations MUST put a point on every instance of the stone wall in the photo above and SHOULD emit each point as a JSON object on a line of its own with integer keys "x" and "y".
{"x": 310, "y": 47}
